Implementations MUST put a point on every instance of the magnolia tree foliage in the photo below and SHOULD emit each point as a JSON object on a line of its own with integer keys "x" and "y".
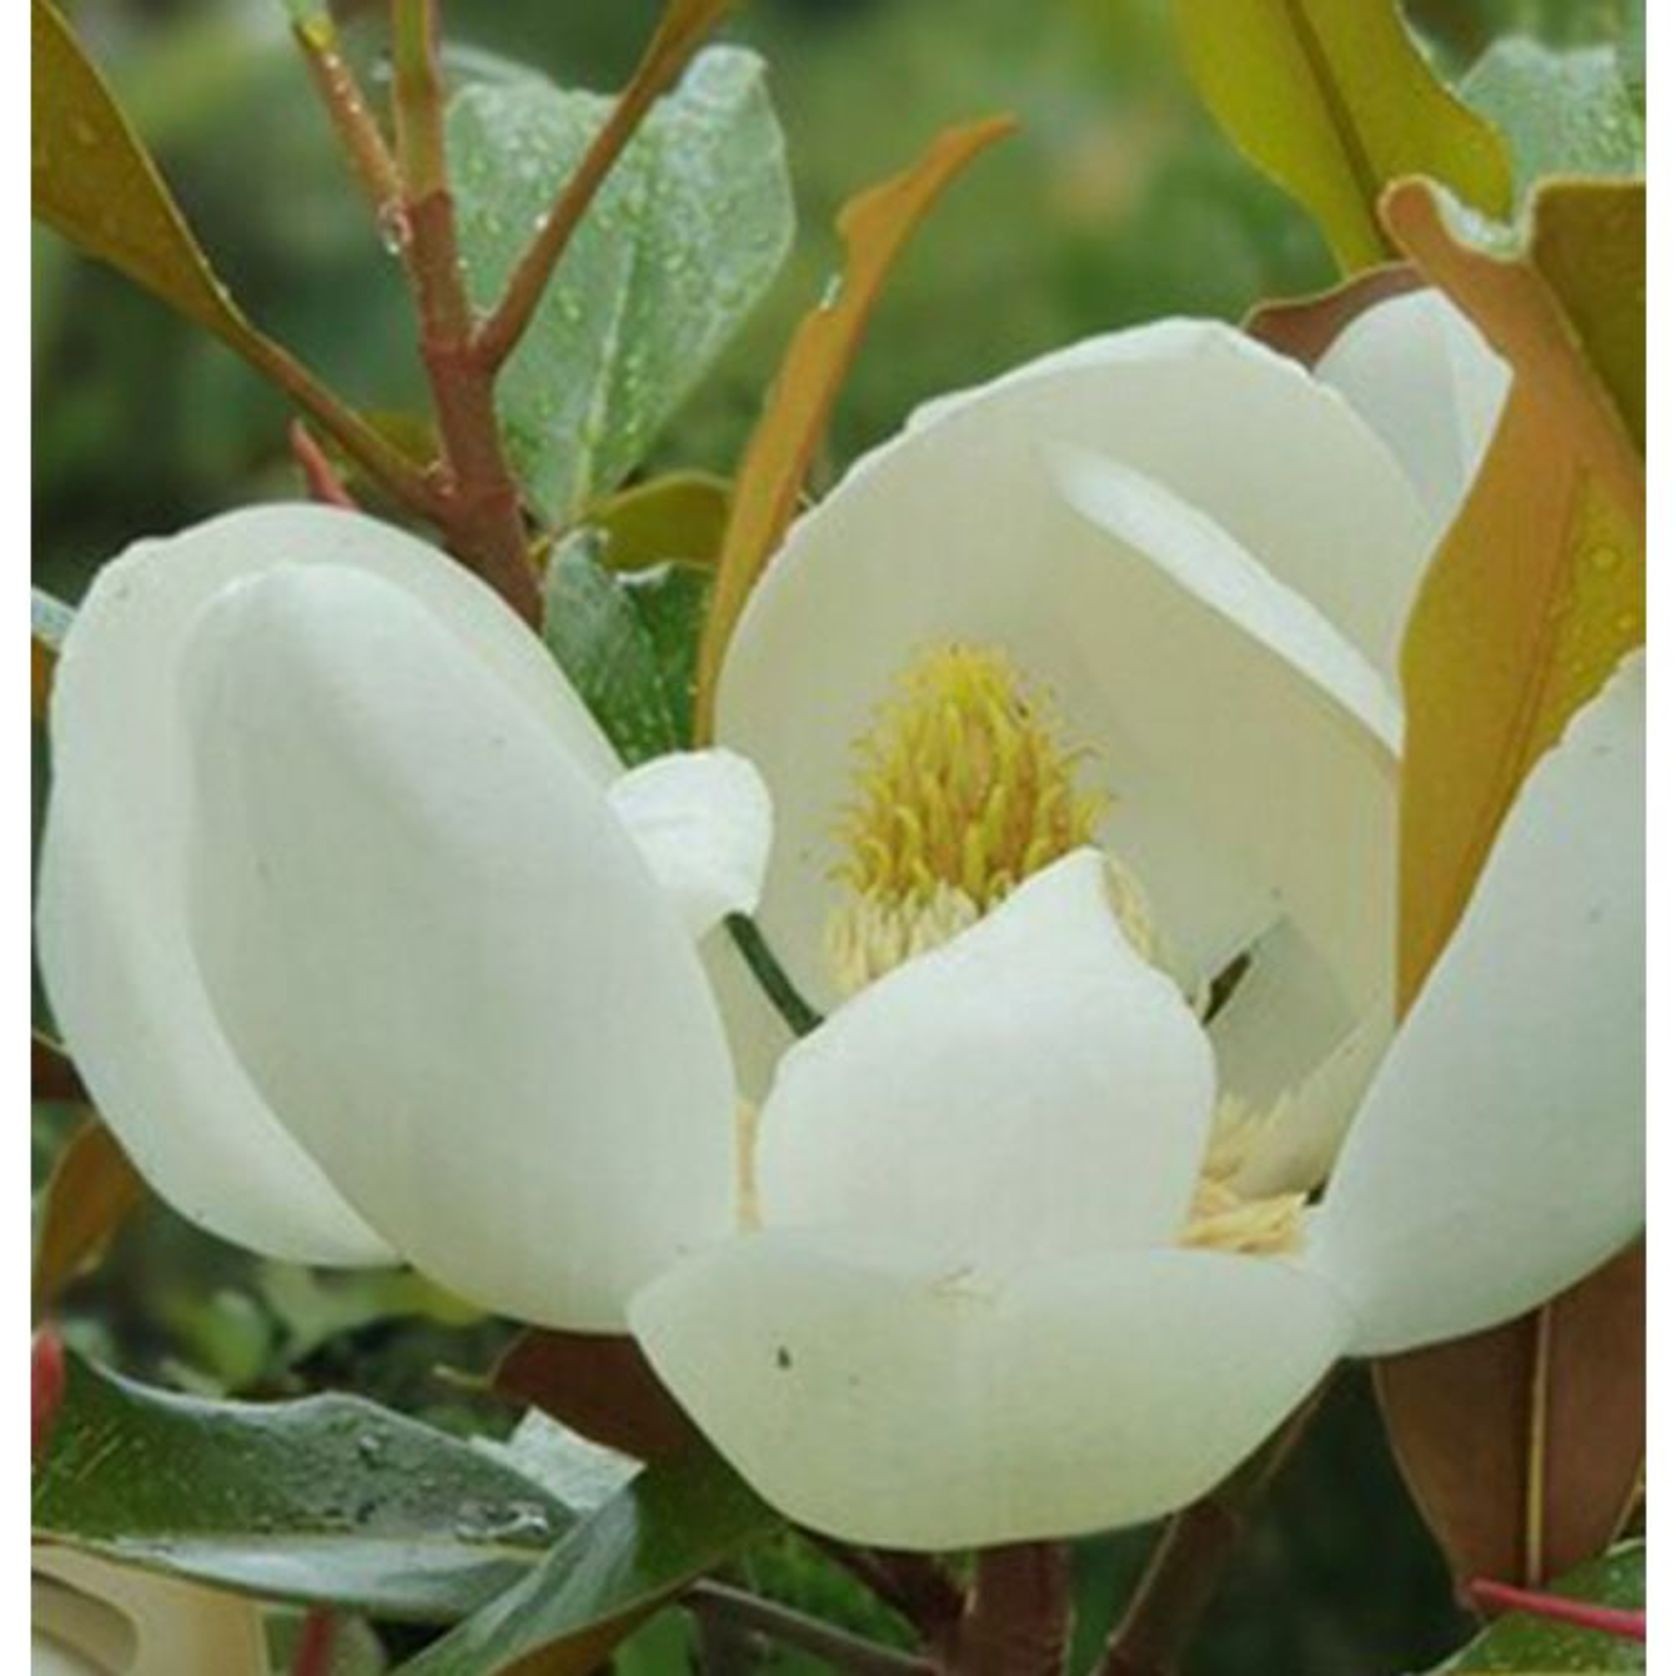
{"x": 942, "y": 1009}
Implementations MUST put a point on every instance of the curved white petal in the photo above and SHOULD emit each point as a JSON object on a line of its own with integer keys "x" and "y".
{"x": 1419, "y": 372}
{"x": 112, "y": 918}
{"x": 1240, "y": 794}
{"x": 1498, "y": 1157}
{"x": 703, "y": 822}
{"x": 101, "y": 1619}
{"x": 879, "y": 1392}
{"x": 1196, "y": 553}
{"x": 1031, "y": 1089}
{"x": 442, "y": 959}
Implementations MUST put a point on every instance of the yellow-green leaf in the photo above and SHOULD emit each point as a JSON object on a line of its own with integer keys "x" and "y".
{"x": 1539, "y": 588}
{"x": 92, "y": 1189}
{"x": 875, "y": 226}
{"x": 682, "y": 515}
{"x": 95, "y": 183}
{"x": 1334, "y": 101}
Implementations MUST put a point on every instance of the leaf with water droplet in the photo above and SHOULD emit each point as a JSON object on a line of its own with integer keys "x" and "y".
{"x": 628, "y": 642}
{"x": 683, "y": 239}
{"x": 1562, "y": 113}
{"x": 329, "y": 1500}
{"x": 673, "y": 1522}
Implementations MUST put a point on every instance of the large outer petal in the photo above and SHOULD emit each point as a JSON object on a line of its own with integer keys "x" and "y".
{"x": 441, "y": 956}
{"x": 882, "y": 1394}
{"x": 1423, "y": 377}
{"x": 1242, "y": 792}
{"x": 114, "y": 951}
{"x": 1499, "y": 1154}
{"x": 1032, "y": 1089}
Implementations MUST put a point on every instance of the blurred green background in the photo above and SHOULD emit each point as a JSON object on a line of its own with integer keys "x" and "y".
{"x": 1118, "y": 202}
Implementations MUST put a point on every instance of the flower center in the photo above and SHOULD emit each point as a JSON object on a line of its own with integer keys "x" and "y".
{"x": 964, "y": 788}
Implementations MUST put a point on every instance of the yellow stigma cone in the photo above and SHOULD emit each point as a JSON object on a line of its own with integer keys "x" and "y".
{"x": 965, "y": 787}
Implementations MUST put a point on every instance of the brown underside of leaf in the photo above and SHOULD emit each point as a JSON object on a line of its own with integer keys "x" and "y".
{"x": 1304, "y": 328}
{"x": 90, "y": 1193}
{"x": 1523, "y": 1445}
{"x": 875, "y": 226}
{"x": 600, "y": 1385}
{"x": 1509, "y": 1499}
{"x": 1539, "y": 588}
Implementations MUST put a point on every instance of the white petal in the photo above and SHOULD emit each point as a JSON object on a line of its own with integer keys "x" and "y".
{"x": 703, "y": 822}
{"x": 103, "y": 1618}
{"x": 441, "y": 957}
{"x": 1269, "y": 1035}
{"x": 1031, "y": 1089}
{"x": 874, "y": 1391}
{"x": 1247, "y": 436}
{"x": 1419, "y": 372}
{"x": 1498, "y": 1157}
{"x": 1201, "y": 557}
{"x": 1239, "y": 793}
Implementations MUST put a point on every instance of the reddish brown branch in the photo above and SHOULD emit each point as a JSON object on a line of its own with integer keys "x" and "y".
{"x": 322, "y": 481}
{"x": 678, "y": 36}
{"x": 1623, "y": 1622}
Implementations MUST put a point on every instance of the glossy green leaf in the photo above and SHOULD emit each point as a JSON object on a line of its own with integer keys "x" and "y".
{"x": 328, "y": 1500}
{"x": 628, "y": 640}
{"x": 671, "y": 1524}
{"x": 1521, "y": 1642}
{"x": 1334, "y": 101}
{"x": 584, "y": 1475}
{"x": 1562, "y": 113}
{"x": 685, "y": 236}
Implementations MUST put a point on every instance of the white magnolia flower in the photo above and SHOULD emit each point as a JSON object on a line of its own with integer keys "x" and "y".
{"x": 91, "y": 1618}
{"x": 1078, "y": 702}
{"x": 362, "y": 940}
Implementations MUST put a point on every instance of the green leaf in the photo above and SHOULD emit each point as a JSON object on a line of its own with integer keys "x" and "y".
{"x": 671, "y": 1524}
{"x": 628, "y": 640}
{"x": 681, "y": 515}
{"x": 1522, "y": 1642}
{"x": 685, "y": 236}
{"x": 1333, "y": 100}
{"x": 584, "y": 1475}
{"x": 328, "y": 1500}
{"x": 1562, "y": 113}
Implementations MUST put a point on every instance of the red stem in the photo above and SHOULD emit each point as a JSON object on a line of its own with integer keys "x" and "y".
{"x": 314, "y": 1644}
{"x": 1623, "y": 1622}
{"x": 324, "y": 484}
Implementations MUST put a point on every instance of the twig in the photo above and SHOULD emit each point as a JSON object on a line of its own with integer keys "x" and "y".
{"x": 391, "y": 469}
{"x": 1624, "y": 1622}
{"x": 324, "y": 484}
{"x": 914, "y": 1586}
{"x": 677, "y": 37}
{"x": 843, "y": 1651}
{"x": 1187, "y": 1567}
{"x": 315, "y": 1644}
{"x": 352, "y": 118}
{"x": 480, "y": 508}
{"x": 1018, "y": 1617}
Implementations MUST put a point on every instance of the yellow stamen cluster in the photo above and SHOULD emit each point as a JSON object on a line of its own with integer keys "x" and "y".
{"x": 1222, "y": 1217}
{"x": 965, "y": 787}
